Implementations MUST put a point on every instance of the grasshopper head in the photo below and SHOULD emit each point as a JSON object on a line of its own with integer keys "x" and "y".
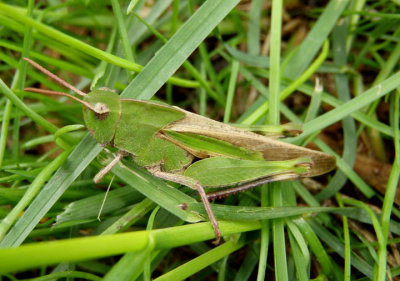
{"x": 102, "y": 117}
{"x": 102, "y": 108}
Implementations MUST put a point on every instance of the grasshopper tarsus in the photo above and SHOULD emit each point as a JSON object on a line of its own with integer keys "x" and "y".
{"x": 210, "y": 213}
{"x": 217, "y": 240}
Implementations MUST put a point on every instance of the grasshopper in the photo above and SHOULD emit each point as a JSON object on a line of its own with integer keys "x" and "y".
{"x": 179, "y": 146}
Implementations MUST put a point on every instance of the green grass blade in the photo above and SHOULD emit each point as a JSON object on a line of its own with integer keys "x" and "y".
{"x": 392, "y": 185}
{"x": 248, "y": 264}
{"x": 4, "y": 128}
{"x": 313, "y": 42}
{"x": 275, "y": 70}
{"x": 188, "y": 66}
{"x": 167, "y": 60}
{"x": 69, "y": 274}
{"x": 88, "y": 208}
{"x": 316, "y": 247}
{"x": 278, "y": 235}
{"x": 88, "y": 247}
{"x": 156, "y": 189}
{"x": 71, "y": 41}
{"x": 257, "y": 114}
{"x": 122, "y": 30}
{"x": 347, "y": 245}
{"x": 349, "y": 127}
{"x": 231, "y": 90}
{"x": 186, "y": 270}
{"x": 129, "y": 266}
{"x": 253, "y": 36}
{"x": 299, "y": 260}
{"x": 250, "y": 213}
{"x": 347, "y": 170}
{"x": 31, "y": 192}
{"x": 76, "y": 162}
{"x": 23, "y": 107}
{"x": 351, "y": 106}
{"x": 333, "y": 242}
{"x": 133, "y": 215}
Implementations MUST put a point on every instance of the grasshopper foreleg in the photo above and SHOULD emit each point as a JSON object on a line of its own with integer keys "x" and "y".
{"x": 104, "y": 171}
{"x": 189, "y": 182}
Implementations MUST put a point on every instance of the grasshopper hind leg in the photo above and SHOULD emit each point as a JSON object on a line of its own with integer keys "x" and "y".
{"x": 251, "y": 184}
{"x": 189, "y": 182}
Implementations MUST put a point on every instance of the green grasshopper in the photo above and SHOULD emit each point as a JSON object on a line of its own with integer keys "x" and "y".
{"x": 189, "y": 149}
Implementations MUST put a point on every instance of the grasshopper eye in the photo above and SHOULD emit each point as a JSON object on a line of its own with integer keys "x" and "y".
{"x": 101, "y": 110}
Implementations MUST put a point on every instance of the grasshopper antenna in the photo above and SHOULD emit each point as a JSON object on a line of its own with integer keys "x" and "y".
{"x": 48, "y": 92}
{"x": 58, "y": 79}
{"x": 98, "y": 108}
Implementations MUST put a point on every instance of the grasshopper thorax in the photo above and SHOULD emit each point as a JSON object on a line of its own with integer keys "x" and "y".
{"x": 103, "y": 116}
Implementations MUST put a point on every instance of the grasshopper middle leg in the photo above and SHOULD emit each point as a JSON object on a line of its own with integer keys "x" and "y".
{"x": 189, "y": 182}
